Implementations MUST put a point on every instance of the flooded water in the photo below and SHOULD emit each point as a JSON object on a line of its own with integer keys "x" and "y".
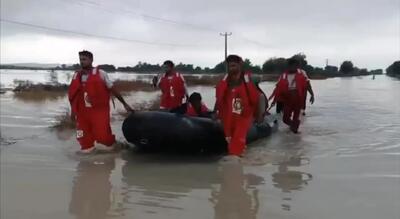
{"x": 8, "y": 76}
{"x": 344, "y": 164}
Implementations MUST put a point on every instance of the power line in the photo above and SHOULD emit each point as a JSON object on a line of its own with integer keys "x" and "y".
{"x": 158, "y": 19}
{"x": 145, "y": 16}
{"x": 94, "y": 35}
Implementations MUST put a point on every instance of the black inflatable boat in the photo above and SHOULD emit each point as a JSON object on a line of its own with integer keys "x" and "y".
{"x": 163, "y": 131}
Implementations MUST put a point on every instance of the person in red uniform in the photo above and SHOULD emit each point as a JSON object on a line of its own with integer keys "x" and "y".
{"x": 290, "y": 89}
{"x": 194, "y": 107}
{"x": 173, "y": 87}
{"x": 236, "y": 102}
{"x": 89, "y": 95}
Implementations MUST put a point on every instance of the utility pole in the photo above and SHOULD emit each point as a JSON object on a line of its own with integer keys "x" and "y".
{"x": 226, "y": 34}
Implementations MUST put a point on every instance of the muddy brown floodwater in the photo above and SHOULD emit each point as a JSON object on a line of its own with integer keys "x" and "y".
{"x": 344, "y": 164}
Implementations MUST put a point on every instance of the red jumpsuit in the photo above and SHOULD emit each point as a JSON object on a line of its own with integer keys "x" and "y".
{"x": 292, "y": 98}
{"x": 90, "y": 102}
{"x": 172, "y": 90}
{"x": 236, "y": 108}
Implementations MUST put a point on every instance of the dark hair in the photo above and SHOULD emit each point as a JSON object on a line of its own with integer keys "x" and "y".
{"x": 293, "y": 61}
{"x": 86, "y": 53}
{"x": 234, "y": 58}
{"x": 169, "y": 62}
{"x": 195, "y": 97}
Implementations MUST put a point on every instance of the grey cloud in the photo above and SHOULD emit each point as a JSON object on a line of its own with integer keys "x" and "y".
{"x": 260, "y": 28}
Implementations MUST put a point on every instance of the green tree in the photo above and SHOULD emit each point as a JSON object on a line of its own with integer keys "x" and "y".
{"x": 347, "y": 67}
{"x": 198, "y": 69}
{"x": 309, "y": 69}
{"x": 219, "y": 68}
{"x": 75, "y": 66}
{"x": 107, "y": 67}
{"x": 394, "y": 69}
{"x": 301, "y": 57}
{"x": 184, "y": 68}
{"x": 274, "y": 65}
{"x": 247, "y": 65}
{"x": 363, "y": 71}
{"x": 331, "y": 69}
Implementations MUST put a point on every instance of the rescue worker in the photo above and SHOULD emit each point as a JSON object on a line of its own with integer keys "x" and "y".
{"x": 173, "y": 87}
{"x": 89, "y": 95}
{"x": 309, "y": 90}
{"x": 236, "y": 102}
{"x": 195, "y": 107}
{"x": 291, "y": 89}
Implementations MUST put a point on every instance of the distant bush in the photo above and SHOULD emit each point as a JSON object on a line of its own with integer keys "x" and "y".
{"x": 394, "y": 69}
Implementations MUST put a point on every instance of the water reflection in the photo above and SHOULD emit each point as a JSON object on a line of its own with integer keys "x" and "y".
{"x": 290, "y": 180}
{"x": 171, "y": 185}
{"x": 238, "y": 194}
{"x": 91, "y": 190}
{"x": 156, "y": 185}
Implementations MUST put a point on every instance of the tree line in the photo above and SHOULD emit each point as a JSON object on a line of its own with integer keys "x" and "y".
{"x": 394, "y": 69}
{"x": 275, "y": 65}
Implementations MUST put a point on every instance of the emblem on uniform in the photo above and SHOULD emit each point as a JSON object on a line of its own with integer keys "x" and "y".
{"x": 79, "y": 133}
{"x": 237, "y": 106}
{"x": 171, "y": 91}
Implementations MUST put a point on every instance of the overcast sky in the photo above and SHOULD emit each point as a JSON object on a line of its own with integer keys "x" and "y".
{"x": 366, "y": 32}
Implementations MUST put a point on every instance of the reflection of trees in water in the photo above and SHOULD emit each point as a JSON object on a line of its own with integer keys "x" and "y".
{"x": 237, "y": 196}
{"x": 91, "y": 190}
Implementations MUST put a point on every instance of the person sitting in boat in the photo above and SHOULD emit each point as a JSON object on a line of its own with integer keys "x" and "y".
{"x": 195, "y": 107}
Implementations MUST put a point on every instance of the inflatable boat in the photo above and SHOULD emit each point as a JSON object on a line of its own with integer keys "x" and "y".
{"x": 164, "y": 131}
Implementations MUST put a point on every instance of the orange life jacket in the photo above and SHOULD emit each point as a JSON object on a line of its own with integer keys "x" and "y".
{"x": 172, "y": 90}
{"x": 241, "y": 100}
{"x": 282, "y": 87}
{"x": 93, "y": 91}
